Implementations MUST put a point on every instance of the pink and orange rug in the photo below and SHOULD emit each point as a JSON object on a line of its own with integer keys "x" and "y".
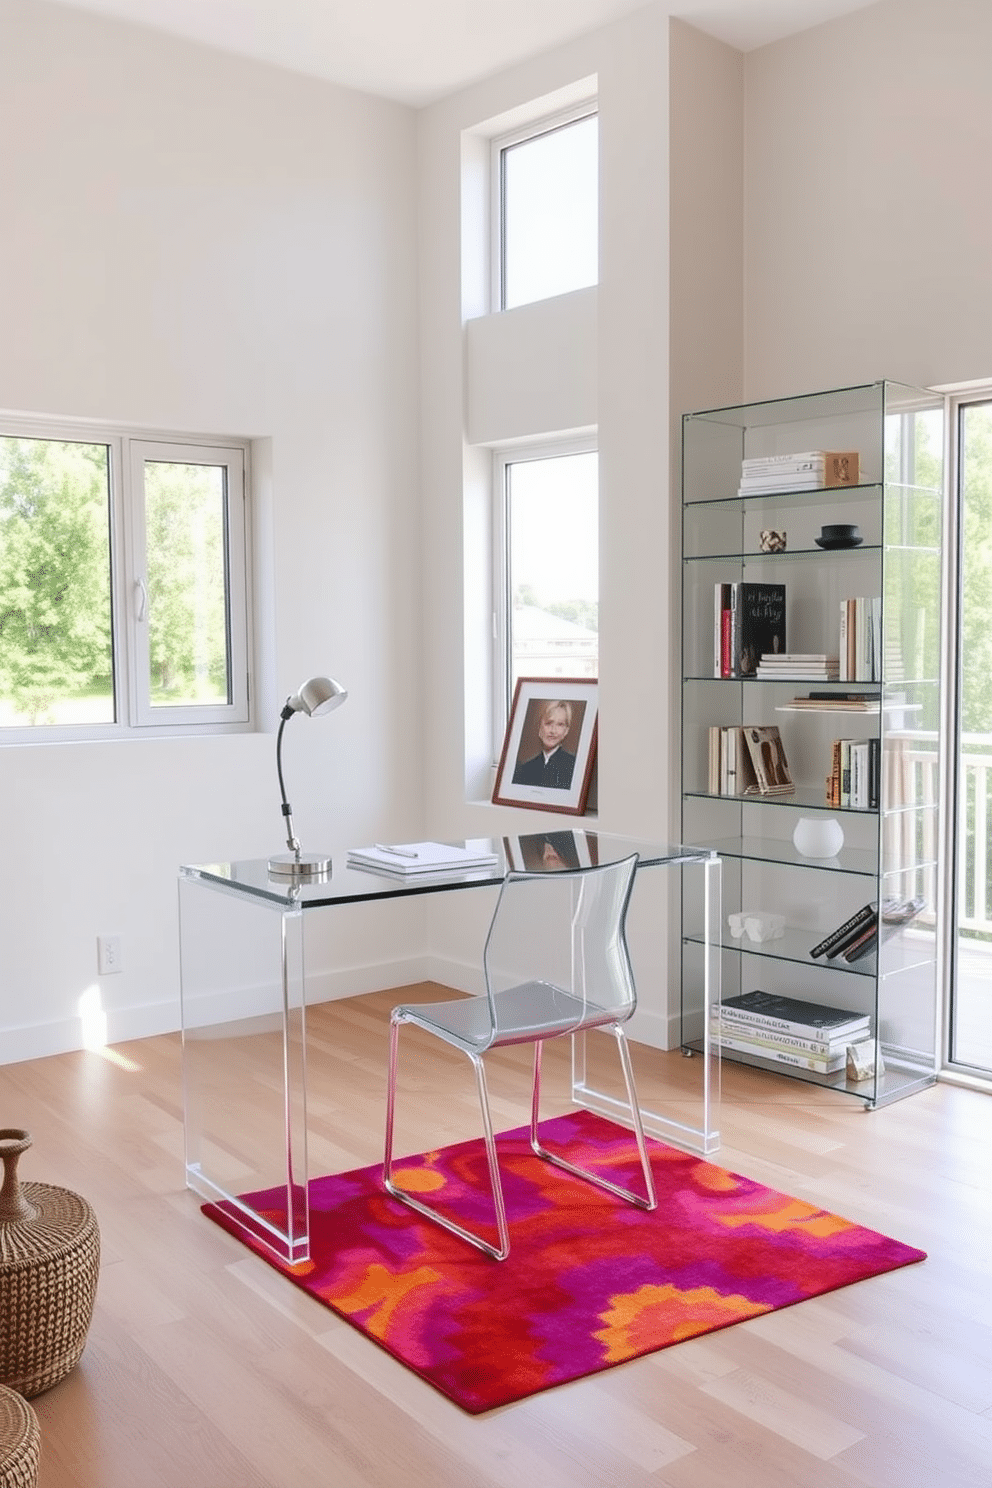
{"x": 590, "y": 1281}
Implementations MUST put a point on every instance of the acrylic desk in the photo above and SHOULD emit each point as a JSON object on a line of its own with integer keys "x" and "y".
{"x": 244, "y": 1002}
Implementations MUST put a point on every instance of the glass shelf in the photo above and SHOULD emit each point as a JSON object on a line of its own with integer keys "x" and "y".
{"x": 802, "y": 554}
{"x": 792, "y": 497}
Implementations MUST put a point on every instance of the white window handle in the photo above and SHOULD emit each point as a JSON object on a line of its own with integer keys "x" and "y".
{"x": 142, "y": 595}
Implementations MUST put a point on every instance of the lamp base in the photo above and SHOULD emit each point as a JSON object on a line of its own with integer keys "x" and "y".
{"x": 300, "y": 865}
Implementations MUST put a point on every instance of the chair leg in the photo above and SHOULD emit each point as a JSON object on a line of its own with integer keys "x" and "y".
{"x": 498, "y": 1253}
{"x": 647, "y": 1200}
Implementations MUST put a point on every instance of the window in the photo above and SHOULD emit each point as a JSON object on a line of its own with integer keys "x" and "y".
{"x": 123, "y": 594}
{"x": 971, "y": 980}
{"x": 547, "y": 579}
{"x": 547, "y": 185}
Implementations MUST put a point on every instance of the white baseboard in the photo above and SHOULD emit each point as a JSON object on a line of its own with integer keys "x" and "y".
{"x": 124, "y": 1025}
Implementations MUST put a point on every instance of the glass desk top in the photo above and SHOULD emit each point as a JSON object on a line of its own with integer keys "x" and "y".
{"x": 537, "y": 852}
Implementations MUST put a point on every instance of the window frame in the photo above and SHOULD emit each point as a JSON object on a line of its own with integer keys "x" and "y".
{"x": 534, "y": 129}
{"x": 126, "y": 451}
{"x": 503, "y": 456}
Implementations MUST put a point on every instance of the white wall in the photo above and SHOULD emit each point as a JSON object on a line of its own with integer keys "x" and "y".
{"x": 196, "y": 242}
{"x": 869, "y": 222}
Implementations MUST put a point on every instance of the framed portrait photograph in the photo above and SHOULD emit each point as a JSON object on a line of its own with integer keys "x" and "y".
{"x": 550, "y": 745}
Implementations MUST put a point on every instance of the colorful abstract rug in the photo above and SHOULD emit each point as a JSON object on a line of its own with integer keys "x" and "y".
{"x": 590, "y": 1281}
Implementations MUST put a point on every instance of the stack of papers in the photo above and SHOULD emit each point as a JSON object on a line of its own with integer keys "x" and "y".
{"x": 410, "y": 859}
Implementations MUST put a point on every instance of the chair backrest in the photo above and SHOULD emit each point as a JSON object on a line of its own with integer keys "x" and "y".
{"x": 566, "y": 929}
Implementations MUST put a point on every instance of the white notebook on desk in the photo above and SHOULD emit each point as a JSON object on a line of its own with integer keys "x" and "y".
{"x": 407, "y": 859}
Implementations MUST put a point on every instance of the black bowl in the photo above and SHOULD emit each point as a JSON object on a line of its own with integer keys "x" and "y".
{"x": 838, "y": 535}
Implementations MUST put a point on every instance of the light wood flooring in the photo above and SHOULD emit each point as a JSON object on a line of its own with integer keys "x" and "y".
{"x": 205, "y": 1369}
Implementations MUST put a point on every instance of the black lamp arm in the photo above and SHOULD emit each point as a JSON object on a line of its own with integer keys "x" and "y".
{"x": 287, "y": 810}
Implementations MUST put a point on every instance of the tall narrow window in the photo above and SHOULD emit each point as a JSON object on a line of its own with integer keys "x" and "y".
{"x": 188, "y": 522}
{"x": 548, "y": 554}
{"x": 971, "y": 994}
{"x": 548, "y": 183}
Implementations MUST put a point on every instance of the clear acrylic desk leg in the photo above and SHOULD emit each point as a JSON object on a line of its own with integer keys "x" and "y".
{"x": 701, "y": 993}
{"x": 244, "y": 1061}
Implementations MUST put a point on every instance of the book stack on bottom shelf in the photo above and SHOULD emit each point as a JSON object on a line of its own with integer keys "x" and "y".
{"x": 786, "y": 1030}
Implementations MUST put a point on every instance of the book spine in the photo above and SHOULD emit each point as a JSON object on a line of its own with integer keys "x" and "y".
{"x": 781, "y": 1056}
{"x": 856, "y": 922}
{"x": 739, "y": 1016}
{"x": 726, "y": 641}
{"x": 734, "y": 645}
{"x": 833, "y": 798}
{"x": 713, "y": 779}
{"x": 842, "y": 674}
{"x": 845, "y": 772}
{"x": 874, "y": 772}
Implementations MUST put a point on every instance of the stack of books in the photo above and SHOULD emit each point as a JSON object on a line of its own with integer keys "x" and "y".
{"x": 809, "y": 470}
{"x": 833, "y": 702}
{"x": 747, "y": 620}
{"x": 855, "y": 774}
{"x": 412, "y": 860}
{"x": 860, "y": 641}
{"x": 786, "y": 1030}
{"x": 797, "y": 666}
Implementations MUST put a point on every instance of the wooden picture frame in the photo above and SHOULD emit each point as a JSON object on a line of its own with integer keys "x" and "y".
{"x": 550, "y": 745}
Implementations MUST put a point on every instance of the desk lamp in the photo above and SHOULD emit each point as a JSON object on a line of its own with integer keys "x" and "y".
{"x": 318, "y": 695}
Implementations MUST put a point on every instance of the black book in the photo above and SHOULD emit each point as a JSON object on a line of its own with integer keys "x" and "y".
{"x": 835, "y": 942}
{"x": 758, "y": 624}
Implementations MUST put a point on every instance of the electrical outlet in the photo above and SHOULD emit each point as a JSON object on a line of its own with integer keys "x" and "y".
{"x": 109, "y": 956}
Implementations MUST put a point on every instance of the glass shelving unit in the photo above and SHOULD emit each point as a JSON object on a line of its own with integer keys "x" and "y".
{"x": 889, "y": 851}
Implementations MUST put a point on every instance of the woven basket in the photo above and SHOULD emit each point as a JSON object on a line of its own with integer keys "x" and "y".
{"x": 20, "y": 1442}
{"x": 49, "y": 1263}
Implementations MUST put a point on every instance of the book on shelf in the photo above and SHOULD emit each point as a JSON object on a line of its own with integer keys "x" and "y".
{"x": 793, "y": 1016}
{"x": 863, "y": 944}
{"x": 797, "y": 667}
{"x": 749, "y": 619}
{"x": 839, "y": 702}
{"x": 411, "y": 859}
{"x": 768, "y": 485}
{"x": 827, "y": 1064}
{"x": 768, "y": 760}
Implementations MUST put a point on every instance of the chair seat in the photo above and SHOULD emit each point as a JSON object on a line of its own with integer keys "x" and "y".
{"x": 467, "y": 1021}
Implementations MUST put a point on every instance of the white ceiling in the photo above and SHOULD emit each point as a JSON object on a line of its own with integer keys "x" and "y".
{"x": 415, "y": 51}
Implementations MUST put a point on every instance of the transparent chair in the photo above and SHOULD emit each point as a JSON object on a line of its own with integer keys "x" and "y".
{"x": 556, "y": 963}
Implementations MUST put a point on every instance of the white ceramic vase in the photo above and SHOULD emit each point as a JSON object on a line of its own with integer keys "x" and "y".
{"x": 818, "y": 836}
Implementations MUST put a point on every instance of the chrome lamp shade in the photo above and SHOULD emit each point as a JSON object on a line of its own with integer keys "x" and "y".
{"x": 316, "y": 696}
